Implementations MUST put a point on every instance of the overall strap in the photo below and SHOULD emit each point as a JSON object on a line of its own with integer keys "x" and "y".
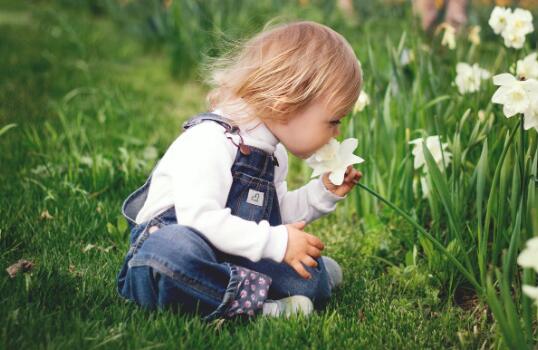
{"x": 197, "y": 119}
{"x": 134, "y": 202}
{"x": 226, "y": 123}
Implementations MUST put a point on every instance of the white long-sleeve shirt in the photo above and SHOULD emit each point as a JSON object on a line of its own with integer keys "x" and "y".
{"x": 194, "y": 176}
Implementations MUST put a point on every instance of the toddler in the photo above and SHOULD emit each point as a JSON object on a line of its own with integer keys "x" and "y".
{"x": 214, "y": 230}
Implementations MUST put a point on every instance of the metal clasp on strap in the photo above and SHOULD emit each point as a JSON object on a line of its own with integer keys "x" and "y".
{"x": 275, "y": 161}
{"x": 244, "y": 149}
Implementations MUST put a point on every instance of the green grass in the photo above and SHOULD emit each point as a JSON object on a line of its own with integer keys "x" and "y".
{"x": 91, "y": 106}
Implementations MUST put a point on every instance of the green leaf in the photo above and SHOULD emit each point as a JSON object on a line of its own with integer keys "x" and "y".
{"x": 6, "y": 128}
{"x": 111, "y": 228}
{"x": 121, "y": 224}
{"x": 435, "y": 101}
{"x": 482, "y": 171}
{"x": 440, "y": 186}
{"x": 511, "y": 313}
{"x": 510, "y": 258}
{"x": 497, "y": 310}
{"x": 386, "y": 110}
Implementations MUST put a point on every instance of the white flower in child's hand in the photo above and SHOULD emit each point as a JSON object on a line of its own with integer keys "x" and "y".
{"x": 334, "y": 157}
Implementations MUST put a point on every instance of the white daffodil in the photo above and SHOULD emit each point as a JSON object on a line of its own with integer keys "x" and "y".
{"x": 469, "y": 77}
{"x": 436, "y": 148}
{"x": 527, "y": 68}
{"x": 334, "y": 157}
{"x": 530, "y": 119}
{"x": 528, "y": 257}
{"x": 481, "y": 115}
{"x": 499, "y": 19}
{"x": 518, "y": 25}
{"x": 531, "y": 292}
{"x": 449, "y": 36}
{"x": 407, "y": 56}
{"x": 515, "y": 95}
{"x": 519, "y": 21}
{"x": 474, "y": 35}
{"x": 362, "y": 102}
{"x": 513, "y": 39}
{"x": 513, "y": 26}
{"x": 425, "y": 187}
{"x": 421, "y": 181}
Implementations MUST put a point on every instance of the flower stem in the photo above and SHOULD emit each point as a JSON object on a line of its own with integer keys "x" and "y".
{"x": 523, "y": 177}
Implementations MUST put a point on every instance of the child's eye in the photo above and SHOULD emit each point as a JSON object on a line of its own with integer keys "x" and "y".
{"x": 335, "y": 122}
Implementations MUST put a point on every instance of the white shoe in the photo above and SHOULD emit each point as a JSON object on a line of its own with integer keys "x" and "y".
{"x": 296, "y": 304}
{"x": 334, "y": 271}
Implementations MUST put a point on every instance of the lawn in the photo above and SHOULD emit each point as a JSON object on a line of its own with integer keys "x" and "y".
{"x": 92, "y": 106}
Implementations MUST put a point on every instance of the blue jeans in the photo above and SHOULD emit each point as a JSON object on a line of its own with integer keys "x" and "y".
{"x": 176, "y": 267}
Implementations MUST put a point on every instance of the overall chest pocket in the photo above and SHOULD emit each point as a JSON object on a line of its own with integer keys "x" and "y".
{"x": 251, "y": 198}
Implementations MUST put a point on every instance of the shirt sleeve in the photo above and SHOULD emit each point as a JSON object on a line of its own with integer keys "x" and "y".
{"x": 199, "y": 167}
{"x": 306, "y": 203}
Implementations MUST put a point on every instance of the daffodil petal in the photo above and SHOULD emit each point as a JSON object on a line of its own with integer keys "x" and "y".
{"x": 337, "y": 176}
{"x": 318, "y": 171}
{"x": 499, "y": 96}
{"x": 348, "y": 146}
{"x": 532, "y": 243}
{"x": 528, "y": 259}
{"x": 509, "y": 111}
{"x": 530, "y": 291}
{"x": 503, "y": 79}
{"x": 352, "y": 159}
{"x": 530, "y": 121}
{"x": 530, "y": 86}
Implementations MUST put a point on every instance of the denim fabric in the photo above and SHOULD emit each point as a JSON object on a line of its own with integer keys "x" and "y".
{"x": 175, "y": 266}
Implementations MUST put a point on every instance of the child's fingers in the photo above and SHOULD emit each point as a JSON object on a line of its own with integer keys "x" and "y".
{"x": 314, "y": 252}
{"x": 357, "y": 177}
{"x": 299, "y": 225}
{"x": 299, "y": 268}
{"x": 308, "y": 261}
{"x": 316, "y": 242}
{"x": 351, "y": 175}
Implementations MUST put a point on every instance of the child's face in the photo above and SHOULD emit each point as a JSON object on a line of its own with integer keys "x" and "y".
{"x": 307, "y": 131}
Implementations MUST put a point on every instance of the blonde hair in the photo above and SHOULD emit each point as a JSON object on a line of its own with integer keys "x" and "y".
{"x": 282, "y": 69}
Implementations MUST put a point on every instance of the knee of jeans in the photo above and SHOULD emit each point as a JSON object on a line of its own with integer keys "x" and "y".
{"x": 176, "y": 245}
{"x": 139, "y": 286}
{"x": 320, "y": 279}
{"x": 316, "y": 288}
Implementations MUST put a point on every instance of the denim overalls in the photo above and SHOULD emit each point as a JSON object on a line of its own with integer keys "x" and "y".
{"x": 174, "y": 266}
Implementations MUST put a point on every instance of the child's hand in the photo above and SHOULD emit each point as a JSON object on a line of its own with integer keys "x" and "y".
{"x": 302, "y": 248}
{"x": 351, "y": 178}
